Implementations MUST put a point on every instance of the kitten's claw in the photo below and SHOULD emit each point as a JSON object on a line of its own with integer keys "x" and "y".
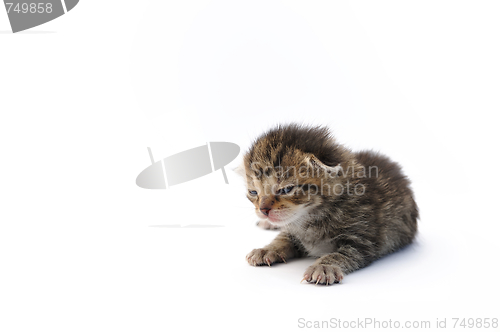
{"x": 303, "y": 279}
{"x": 262, "y": 256}
{"x": 323, "y": 274}
{"x": 328, "y": 279}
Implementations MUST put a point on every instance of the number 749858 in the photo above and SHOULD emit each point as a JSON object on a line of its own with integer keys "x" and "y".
{"x": 31, "y": 8}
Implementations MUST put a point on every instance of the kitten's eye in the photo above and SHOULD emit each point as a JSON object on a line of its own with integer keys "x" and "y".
{"x": 286, "y": 190}
{"x": 252, "y": 192}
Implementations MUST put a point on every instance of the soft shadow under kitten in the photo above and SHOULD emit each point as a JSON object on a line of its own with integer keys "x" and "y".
{"x": 348, "y": 209}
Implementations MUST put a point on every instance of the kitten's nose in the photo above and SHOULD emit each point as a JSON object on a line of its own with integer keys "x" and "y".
{"x": 266, "y": 204}
{"x": 265, "y": 211}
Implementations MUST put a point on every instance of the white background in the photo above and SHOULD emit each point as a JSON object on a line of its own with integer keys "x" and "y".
{"x": 82, "y": 248}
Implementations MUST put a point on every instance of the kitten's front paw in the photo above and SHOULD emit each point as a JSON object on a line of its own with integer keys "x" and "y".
{"x": 264, "y": 257}
{"x": 323, "y": 274}
{"x": 263, "y": 223}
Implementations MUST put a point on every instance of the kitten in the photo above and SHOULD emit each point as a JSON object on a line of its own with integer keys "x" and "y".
{"x": 348, "y": 209}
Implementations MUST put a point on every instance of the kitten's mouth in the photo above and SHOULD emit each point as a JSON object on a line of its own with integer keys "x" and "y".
{"x": 275, "y": 219}
{"x": 279, "y": 217}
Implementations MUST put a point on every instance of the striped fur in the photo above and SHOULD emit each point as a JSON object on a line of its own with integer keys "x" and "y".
{"x": 297, "y": 172}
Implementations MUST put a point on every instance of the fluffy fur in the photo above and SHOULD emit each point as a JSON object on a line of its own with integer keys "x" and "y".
{"x": 348, "y": 209}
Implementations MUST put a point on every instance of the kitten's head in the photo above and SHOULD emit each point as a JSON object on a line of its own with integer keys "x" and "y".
{"x": 290, "y": 171}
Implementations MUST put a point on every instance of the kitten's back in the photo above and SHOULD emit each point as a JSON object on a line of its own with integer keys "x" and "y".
{"x": 398, "y": 208}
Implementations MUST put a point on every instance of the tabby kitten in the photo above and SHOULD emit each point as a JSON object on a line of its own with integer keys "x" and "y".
{"x": 348, "y": 209}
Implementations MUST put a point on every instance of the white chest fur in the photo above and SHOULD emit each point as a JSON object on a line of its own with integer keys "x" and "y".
{"x": 314, "y": 244}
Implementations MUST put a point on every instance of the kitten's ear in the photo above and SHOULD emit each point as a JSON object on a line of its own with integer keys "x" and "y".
{"x": 240, "y": 170}
{"x": 320, "y": 166}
